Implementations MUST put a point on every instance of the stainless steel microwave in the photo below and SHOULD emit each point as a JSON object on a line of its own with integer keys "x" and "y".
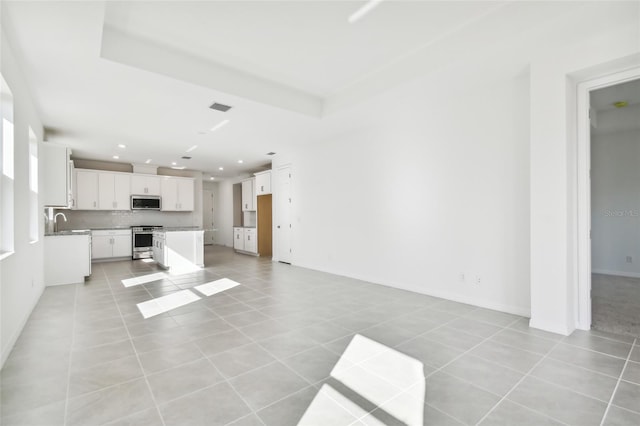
{"x": 145, "y": 202}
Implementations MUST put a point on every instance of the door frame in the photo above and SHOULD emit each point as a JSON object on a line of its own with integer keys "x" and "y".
{"x": 583, "y": 180}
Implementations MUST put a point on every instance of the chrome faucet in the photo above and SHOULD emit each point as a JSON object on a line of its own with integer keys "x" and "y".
{"x": 55, "y": 221}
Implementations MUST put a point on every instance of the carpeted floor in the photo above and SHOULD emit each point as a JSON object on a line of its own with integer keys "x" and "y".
{"x": 615, "y": 304}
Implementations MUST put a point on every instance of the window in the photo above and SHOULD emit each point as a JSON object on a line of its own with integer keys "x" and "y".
{"x": 6, "y": 190}
{"x": 34, "y": 217}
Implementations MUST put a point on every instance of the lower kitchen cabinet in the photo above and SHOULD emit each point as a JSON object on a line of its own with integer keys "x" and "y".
{"x": 238, "y": 238}
{"x": 245, "y": 239}
{"x": 179, "y": 250}
{"x": 111, "y": 244}
{"x": 67, "y": 259}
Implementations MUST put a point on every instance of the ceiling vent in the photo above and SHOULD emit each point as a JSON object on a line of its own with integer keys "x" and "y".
{"x": 220, "y": 107}
{"x": 186, "y": 158}
{"x": 271, "y": 153}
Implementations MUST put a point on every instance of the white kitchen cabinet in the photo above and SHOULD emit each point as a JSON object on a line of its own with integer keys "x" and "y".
{"x": 248, "y": 195}
{"x": 114, "y": 191}
{"x": 263, "y": 183}
{"x": 55, "y": 160}
{"x": 145, "y": 185}
{"x": 245, "y": 239}
{"x": 179, "y": 250}
{"x": 158, "y": 248}
{"x": 86, "y": 197}
{"x": 250, "y": 240}
{"x": 111, "y": 244}
{"x": 177, "y": 194}
{"x": 67, "y": 258}
{"x": 238, "y": 238}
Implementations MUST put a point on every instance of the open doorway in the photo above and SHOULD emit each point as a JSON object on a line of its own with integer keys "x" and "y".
{"x": 615, "y": 208}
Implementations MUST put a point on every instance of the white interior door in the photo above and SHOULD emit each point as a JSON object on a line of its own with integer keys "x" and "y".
{"x": 207, "y": 216}
{"x": 283, "y": 210}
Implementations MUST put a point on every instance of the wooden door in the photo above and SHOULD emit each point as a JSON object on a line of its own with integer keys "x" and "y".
{"x": 264, "y": 225}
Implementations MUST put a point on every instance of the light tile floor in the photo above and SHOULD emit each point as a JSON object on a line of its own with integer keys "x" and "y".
{"x": 290, "y": 344}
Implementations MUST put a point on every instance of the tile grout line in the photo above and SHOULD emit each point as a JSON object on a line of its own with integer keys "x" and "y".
{"x": 615, "y": 389}
{"x": 73, "y": 336}
{"x": 526, "y": 375}
{"x": 135, "y": 351}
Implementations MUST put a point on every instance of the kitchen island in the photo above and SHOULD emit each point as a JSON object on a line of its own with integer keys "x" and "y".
{"x": 179, "y": 249}
{"x": 67, "y": 257}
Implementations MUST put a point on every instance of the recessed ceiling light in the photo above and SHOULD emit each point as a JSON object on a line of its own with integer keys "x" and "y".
{"x": 212, "y": 178}
{"x": 148, "y": 161}
{"x": 240, "y": 161}
{"x": 366, "y": 8}
{"x": 115, "y": 157}
{"x": 220, "y": 168}
{"x": 193, "y": 148}
{"x": 178, "y": 168}
{"x": 219, "y": 125}
{"x": 173, "y": 163}
{"x": 121, "y": 146}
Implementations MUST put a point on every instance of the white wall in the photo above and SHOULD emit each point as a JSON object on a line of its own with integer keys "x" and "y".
{"x": 21, "y": 274}
{"x": 605, "y": 33}
{"x": 430, "y": 183}
{"x": 465, "y": 170}
{"x": 224, "y": 219}
{"x": 615, "y": 203}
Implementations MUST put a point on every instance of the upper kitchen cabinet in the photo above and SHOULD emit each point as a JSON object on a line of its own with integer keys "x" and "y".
{"x": 114, "y": 191}
{"x": 248, "y": 195}
{"x": 86, "y": 197}
{"x": 145, "y": 185}
{"x": 57, "y": 176}
{"x": 177, "y": 194}
{"x": 263, "y": 183}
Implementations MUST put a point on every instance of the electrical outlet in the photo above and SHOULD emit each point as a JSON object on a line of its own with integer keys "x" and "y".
{"x": 478, "y": 279}
{"x": 629, "y": 259}
{"x": 462, "y": 277}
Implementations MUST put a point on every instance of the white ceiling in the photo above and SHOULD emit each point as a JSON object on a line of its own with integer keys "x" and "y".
{"x": 143, "y": 74}
{"x": 603, "y": 99}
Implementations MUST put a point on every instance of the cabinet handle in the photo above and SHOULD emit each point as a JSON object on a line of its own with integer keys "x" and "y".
{"x": 94, "y": 204}
{"x": 262, "y": 188}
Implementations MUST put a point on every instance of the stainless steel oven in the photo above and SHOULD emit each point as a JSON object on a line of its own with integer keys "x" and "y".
{"x": 142, "y": 241}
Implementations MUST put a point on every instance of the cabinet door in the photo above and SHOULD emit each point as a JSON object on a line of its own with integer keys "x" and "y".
{"x": 121, "y": 246}
{"x": 263, "y": 183}
{"x": 250, "y": 240}
{"x": 169, "y": 189}
{"x": 152, "y": 185}
{"x": 101, "y": 246}
{"x": 122, "y": 192}
{"x": 86, "y": 190}
{"x": 186, "y": 196}
{"x": 139, "y": 185}
{"x": 247, "y": 195}
{"x": 145, "y": 185}
{"x": 238, "y": 238}
{"x": 55, "y": 160}
{"x": 106, "y": 191}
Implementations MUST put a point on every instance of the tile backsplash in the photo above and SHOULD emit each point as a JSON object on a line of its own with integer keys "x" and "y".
{"x": 87, "y": 219}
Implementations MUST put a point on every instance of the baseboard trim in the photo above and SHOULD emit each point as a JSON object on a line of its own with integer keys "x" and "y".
{"x": 565, "y": 330}
{"x": 616, "y": 273}
{"x": 515, "y": 310}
